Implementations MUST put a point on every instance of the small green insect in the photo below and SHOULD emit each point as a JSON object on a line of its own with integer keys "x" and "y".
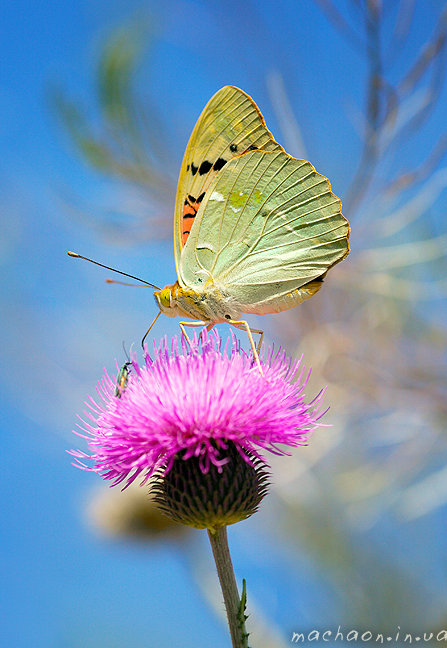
{"x": 122, "y": 379}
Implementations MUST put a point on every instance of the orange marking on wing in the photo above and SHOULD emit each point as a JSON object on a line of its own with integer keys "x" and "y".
{"x": 189, "y": 212}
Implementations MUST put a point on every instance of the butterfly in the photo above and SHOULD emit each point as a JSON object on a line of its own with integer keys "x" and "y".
{"x": 255, "y": 229}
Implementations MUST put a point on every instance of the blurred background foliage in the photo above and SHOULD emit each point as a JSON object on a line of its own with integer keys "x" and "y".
{"x": 353, "y": 533}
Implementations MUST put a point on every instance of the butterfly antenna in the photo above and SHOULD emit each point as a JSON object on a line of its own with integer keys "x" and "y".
{"x": 124, "y": 283}
{"x": 78, "y": 256}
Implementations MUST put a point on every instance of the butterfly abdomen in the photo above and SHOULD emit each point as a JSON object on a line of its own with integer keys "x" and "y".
{"x": 284, "y": 302}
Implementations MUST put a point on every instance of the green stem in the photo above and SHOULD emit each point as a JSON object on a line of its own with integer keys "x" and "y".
{"x": 222, "y": 558}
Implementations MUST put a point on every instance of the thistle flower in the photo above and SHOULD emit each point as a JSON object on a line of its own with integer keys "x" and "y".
{"x": 199, "y": 420}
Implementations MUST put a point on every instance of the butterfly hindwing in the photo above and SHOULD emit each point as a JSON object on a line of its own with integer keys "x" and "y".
{"x": 229, "y": 126}
{"x": 268, "y": 225}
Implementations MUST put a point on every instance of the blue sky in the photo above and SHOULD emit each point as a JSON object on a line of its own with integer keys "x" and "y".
{"x": 62, "y": 325}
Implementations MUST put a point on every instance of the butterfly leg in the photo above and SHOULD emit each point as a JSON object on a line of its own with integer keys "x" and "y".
{"x": 147, "y": 332}
{"x": 209, "y": 325}
{"x": 261, "y": 338}
{"x": 242, "y": 325}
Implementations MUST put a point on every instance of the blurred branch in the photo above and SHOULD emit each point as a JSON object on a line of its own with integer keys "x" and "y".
{"x": 99, "y": 150}
{"x": 126, "y": 141}
{"x": 415, "y": 207}
{"x": 401, "y": 28}
{"x": 431, "y": 96}
{"x": 428, "y": 166}
{"x": 339, "y": 22}
{"x": 429, "y": 53}
{"x": 363, "y": 175}
{"x": 405, "y": 254}
{"x": 293, "y": 140}
{"x": 388, "y": 116}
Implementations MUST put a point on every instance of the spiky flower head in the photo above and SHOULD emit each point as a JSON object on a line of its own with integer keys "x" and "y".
{"x": 199, "y": 419}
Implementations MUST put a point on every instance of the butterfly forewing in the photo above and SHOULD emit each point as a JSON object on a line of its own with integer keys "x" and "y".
{"x": 268, "y": 224}
{"x": 230, "y": 126}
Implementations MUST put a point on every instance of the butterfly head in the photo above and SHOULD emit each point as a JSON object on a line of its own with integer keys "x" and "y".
{"x": 165, "y": 299}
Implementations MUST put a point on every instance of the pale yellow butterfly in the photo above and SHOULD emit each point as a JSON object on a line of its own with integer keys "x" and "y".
{"x": 255, "y": 229}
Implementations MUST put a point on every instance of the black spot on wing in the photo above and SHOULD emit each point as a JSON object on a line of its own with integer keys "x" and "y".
{"x": 218, "y": 164}
{"x": 194, "y": 169}
{"x": 190, "y": 198}
{"x": 233, "y": 148}
{"x": 252, "y": 147}
{"x": 201, "y": 197}
{"x": 205, "y": 167}
{"x": 187, "y": 167}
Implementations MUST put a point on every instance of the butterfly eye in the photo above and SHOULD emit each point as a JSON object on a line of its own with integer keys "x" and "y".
{"x": 165, "y": 297}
